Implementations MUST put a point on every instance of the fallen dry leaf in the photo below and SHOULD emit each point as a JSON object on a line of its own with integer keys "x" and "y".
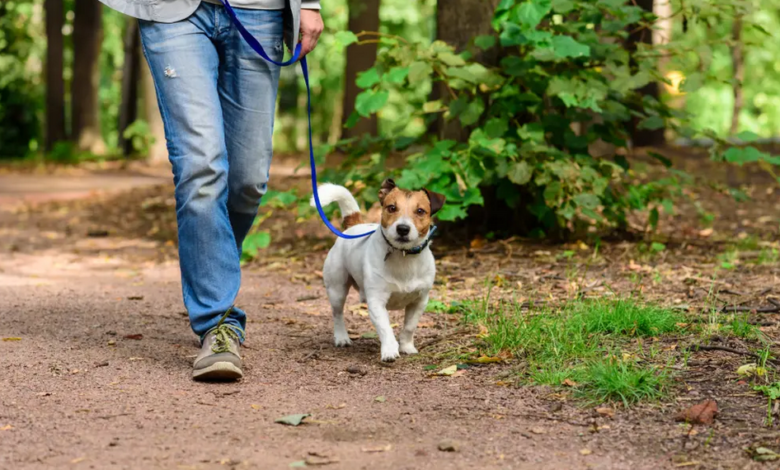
{"x": 538, "y": 431}
{"x": 7, "y": 427}
{"x": 292, "y": 420}
{"x": 702, "y": 413}
{"x": 136, "y": 336}
{"x": 586, "y": 451}
{"x": 80, "y": 459}
{"x": 447, "y": 371}
{"x": 569, "y": 383}
{"x": 13, "y": 338}
{"x": 608, "y": 412}
{"x": 485, "y": 360}
{"x": 377, "y": 448}
{"x": 255, "y": 407}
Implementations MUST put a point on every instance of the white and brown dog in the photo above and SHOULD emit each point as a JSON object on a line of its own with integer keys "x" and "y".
{"x": 393, "y": 268}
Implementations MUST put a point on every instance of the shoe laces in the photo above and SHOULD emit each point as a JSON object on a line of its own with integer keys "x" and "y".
{"x": 224, "y": 333}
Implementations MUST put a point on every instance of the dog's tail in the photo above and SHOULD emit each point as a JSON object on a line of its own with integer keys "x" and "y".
{"x": 350, "y": 211}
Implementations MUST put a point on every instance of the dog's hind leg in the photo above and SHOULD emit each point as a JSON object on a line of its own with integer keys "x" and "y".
{"x": 411, "y": 318}
{"x": 337, "y": 293}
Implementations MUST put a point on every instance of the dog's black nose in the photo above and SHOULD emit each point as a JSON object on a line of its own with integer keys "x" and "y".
{"x": 403, "y": 230}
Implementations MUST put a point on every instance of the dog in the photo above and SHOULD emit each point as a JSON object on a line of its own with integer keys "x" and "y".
{"x": 392, "y": 269}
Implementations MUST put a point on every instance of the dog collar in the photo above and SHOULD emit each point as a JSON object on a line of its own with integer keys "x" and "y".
{"x": 416, "y": 250}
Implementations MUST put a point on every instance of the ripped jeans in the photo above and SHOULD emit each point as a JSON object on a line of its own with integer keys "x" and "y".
{"x": 217, "y": 98}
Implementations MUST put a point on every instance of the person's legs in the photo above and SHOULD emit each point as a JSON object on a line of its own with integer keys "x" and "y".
{"x": 247, "y": 91}
{"x": 185, "y": 64}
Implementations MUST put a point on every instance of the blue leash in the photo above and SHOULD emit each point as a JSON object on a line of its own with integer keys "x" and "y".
{"x": 255, "y": 44}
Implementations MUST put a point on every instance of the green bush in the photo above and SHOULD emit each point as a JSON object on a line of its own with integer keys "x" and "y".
{"x": 564, "y": 65}
{"x": 21, "y": 94}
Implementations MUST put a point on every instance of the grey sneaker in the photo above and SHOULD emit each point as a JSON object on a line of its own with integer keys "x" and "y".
{"x": 219, "y": 358}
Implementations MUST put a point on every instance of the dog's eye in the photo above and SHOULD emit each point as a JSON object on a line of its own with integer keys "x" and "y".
{"x": 391, "y": 208}
{"x": 420, "y": 211}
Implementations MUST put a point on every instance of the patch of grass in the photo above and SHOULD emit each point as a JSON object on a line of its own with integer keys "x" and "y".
{"x": 626, "y": 317}
{"x": 623, "y": 381}
{"x": 740, "y": 327}
{"x": 582, "y": 342}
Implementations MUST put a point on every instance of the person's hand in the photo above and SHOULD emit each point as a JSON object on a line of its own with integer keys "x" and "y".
{"x": 311, "y": 28}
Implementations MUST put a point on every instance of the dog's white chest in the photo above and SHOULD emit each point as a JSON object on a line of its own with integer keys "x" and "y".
{"x": 400, "y": 300}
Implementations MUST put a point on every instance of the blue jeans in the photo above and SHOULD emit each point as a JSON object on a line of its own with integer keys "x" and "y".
{"x": 217, "y": 98}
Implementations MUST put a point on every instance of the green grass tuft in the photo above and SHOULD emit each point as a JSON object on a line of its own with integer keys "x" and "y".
{"x": 581, "y": 342}
{"x": 623, "y": 381}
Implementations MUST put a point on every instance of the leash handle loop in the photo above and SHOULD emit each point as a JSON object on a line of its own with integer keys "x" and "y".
{"x": 255, "y": 44}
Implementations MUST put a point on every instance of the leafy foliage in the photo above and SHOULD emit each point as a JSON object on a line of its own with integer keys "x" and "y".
{"x": 21, "y": 94}
{"x": 566, "y": 82}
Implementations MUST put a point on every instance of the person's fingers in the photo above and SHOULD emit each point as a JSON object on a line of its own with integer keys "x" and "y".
{"x": 307, "y": 44}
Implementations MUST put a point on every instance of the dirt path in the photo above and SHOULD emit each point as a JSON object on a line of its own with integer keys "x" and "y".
{"x": 77, "y": 392}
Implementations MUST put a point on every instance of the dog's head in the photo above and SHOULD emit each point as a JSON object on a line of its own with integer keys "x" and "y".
{"x": 407, "y": 215}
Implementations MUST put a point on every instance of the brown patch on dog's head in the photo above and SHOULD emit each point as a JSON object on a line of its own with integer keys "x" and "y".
{"x": 356, "y": 218}
{"x": 417, "y": 206}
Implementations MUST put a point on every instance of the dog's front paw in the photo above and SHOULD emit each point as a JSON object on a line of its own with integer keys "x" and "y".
{"x": 408, "y": 348}
{"x": 390, "y": 352}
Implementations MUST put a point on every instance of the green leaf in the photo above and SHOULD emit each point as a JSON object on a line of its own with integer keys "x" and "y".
{"x": 472, "y": 112}
{"x": 368, "y": 78}
{"x": 345, "y": 38}
{"x": 665, "y": 161}
{"x": 520, "y": 173}
{"x": 451, "y": 212}
{"x": 747, "y": 136}
{"x": 530, "y": 13}
{"x": 485, "y": 42}
{"x": 432, "y": 106}
{"x": 463, "y": 73}
{"x": 566, "y": 46}
{"x": 533, "y": 132}
{"x": 298, "y": 464}
{"x": 552, "y": 192}
{"x": 419, "y": 71}
{"x": 397, "y": 75}
{"x": 292, "y": 420}
{"x": 562, "y": 6}
{"x": 496, "y": 127}
{"x": 353, "y": 118}
{"x": 653, "y": 220}
{"x": 279, "y": 199}
{"x": 254, "y": 242}
{"x": 369, "y": 102}
{"x": 451, "y": 59}
{"x": 587, "y": 200}
{"x": 657, "y": 247}
{"x": 652, "y": 123}
{"x": 744, "y": 155}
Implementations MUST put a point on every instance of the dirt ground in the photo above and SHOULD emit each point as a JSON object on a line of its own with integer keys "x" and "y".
{"x": 96, "y": 350}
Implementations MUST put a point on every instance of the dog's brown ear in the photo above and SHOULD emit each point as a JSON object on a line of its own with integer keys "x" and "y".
{"x": 437, "y": 201}
{"x": 387, "y": 186}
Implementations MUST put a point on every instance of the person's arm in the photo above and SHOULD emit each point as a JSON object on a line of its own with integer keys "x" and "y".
{"x": 311, "y": 25}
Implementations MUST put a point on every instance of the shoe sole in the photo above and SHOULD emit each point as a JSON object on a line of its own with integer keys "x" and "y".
{"x": 218, "y": 371}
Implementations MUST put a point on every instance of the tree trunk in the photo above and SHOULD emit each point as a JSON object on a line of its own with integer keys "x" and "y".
{"x": 55, "y": 84}
{"x": 738, "y": 62}
{"x": 363, "y": 16}
{"x": 457, "y": 23}
{"x": 158, "y": 154}
{"x": 639, "y": 35}
{"x": 131, "y": 75}
{"x": 87, "y": 36}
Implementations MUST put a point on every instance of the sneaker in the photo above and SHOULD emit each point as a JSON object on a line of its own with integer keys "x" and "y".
{"x": 219, "y": 358}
